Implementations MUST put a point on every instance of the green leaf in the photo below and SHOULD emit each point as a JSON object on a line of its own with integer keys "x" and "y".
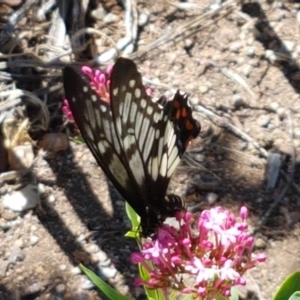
{"x": 234, "y": 294}
{"x": 289, "y": 286}
{"x": 295, "y": 296}
{"x": 102, "y": 285}
{"x": 134, "y": 218}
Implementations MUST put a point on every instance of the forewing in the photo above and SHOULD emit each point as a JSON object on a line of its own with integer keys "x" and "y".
{"x": 93, "y": 117}
{"x": 152, "y": 136}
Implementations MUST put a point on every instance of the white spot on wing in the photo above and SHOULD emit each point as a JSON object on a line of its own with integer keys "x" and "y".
{"x": 148, "y": 144}
{"x": 132, "y": 83}
{"x": 133, "y": 110}
{"x": 115, "y": 91}
{"x": 128, "y": 141}
{"x": 135, "y": 164}
{"x": 126, "y": 108}
{"x": 94, "y": 98}
{"x": 163, "y": 165}
{"x": 85, "y": 89}
{"x": 143, "y": 103}
{"x": 143, "y": 133}
{"x": 137, "y": 93}
{"x": 154, "y": 168}
{"x": 149, "y": 110}
{"x": 173, "y": 167}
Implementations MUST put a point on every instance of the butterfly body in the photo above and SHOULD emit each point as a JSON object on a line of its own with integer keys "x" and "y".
{"x": 136, "y": 141}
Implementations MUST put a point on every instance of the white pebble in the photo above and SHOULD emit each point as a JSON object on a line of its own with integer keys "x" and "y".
{"x": 33, "y": 240}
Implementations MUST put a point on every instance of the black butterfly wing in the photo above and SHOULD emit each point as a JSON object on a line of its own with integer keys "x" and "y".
{"x": 153, "y": 136}
{"x": 136, "y": 141}
{"x": 93, "y": 117}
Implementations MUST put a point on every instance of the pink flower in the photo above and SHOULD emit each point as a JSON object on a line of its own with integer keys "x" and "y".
{"x": 216, "y": 254}
{"x": 100, "y": 83}
{"x": 67, "y": 111}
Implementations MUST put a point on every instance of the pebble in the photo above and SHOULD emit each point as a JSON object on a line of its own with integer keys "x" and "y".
{"x": 85, "y": 283}
{"x": 297, "y": 133}
{"x": 260, "y": 243}
{"x": 281, "y": 112}
{"x": 263, "y": 120}
{"x": 75, "y": 271}
{"x": 235, "y": 46}
{"x": 273, "y": 106}
{"x": 110, "y": 18}
{"x": 19, "y": 243}
{"x": 212, "y": 198}
{"x": 270, "y": 56}
{"x": 41, "y": 188}
{"x": 105, "y": 263}
{"x": 102, "y": 256}
{"x": 246, "y": 69}
{"x": 62, "y": 267}
{"x": 16, "y": 254}
{"x": 92, "y": 249}
{"x": 60, "y": 288}
{"x": 250, "y": 52}
{"x": 143, "y": 19}
{"x": 33, "y": 240}
{"x": 238, "y": 101}
{"x": 22, "y": 199}
{"x": 51, "y": 198}
{"x": 98, "y": 13}
{"x": 203, "y": 89}
{"x": 288, "y": 45}
{"x": 254, "y": 63}
{"x": 107, "y": 272}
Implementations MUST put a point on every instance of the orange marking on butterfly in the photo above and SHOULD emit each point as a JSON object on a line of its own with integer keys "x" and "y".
{"x": 189, "y": 125}
{"x": 176, "y": 104}
{"x": 183, "y": 112}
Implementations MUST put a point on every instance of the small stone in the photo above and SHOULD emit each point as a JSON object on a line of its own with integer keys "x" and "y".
{"x": 235, "y": 46}
{"x": 102, "y": 256}
{"x": 110, "y": 18}
{"x": 260, "y": 243}
{"x": 203, "y": 89}
{"x": 105, "y": 263}
{"x": 91, "y": 248}
{"x": 60, "y": 288}
{"x": 63, "y": 267}
{"x": 41, "y": 188}
{"x": 107, "y": 272}
{"x": 273, "y": 106}
{"x": 75, "y": 271}
{"x": 238, "y": 101}
{"x": 263, "y": 120}
{"x": 211, "y": 198}
{"x": 246, "y": 70}
{"x": 270, "y": 56}
{"x": 288, "y": 45}
{"x": 33, "y": 240}
{"x": 250, "y": 52}
{"x": 281, "y": 112}
{"x": 254, "y": 63}
{"x": 22, "y": 199}
{"x": 85, "y": 283}
{"x": 143, "y": 19}
{"x": 16, "y": 254}
{"x": 51, "y": 198}
{"x": 297, "y": 132}
{"x": 98, "y": 13}
{"x": 19, "y": 243}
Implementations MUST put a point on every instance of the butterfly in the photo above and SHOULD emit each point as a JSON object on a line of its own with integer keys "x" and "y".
{"x": 137, "y": 141}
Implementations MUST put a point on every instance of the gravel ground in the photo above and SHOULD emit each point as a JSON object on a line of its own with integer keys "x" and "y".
{"x": 241, "y": 67}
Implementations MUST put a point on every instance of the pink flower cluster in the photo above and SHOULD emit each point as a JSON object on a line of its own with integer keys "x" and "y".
{"x": 215, "y": 254}
{"x": 99, "y": 81}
